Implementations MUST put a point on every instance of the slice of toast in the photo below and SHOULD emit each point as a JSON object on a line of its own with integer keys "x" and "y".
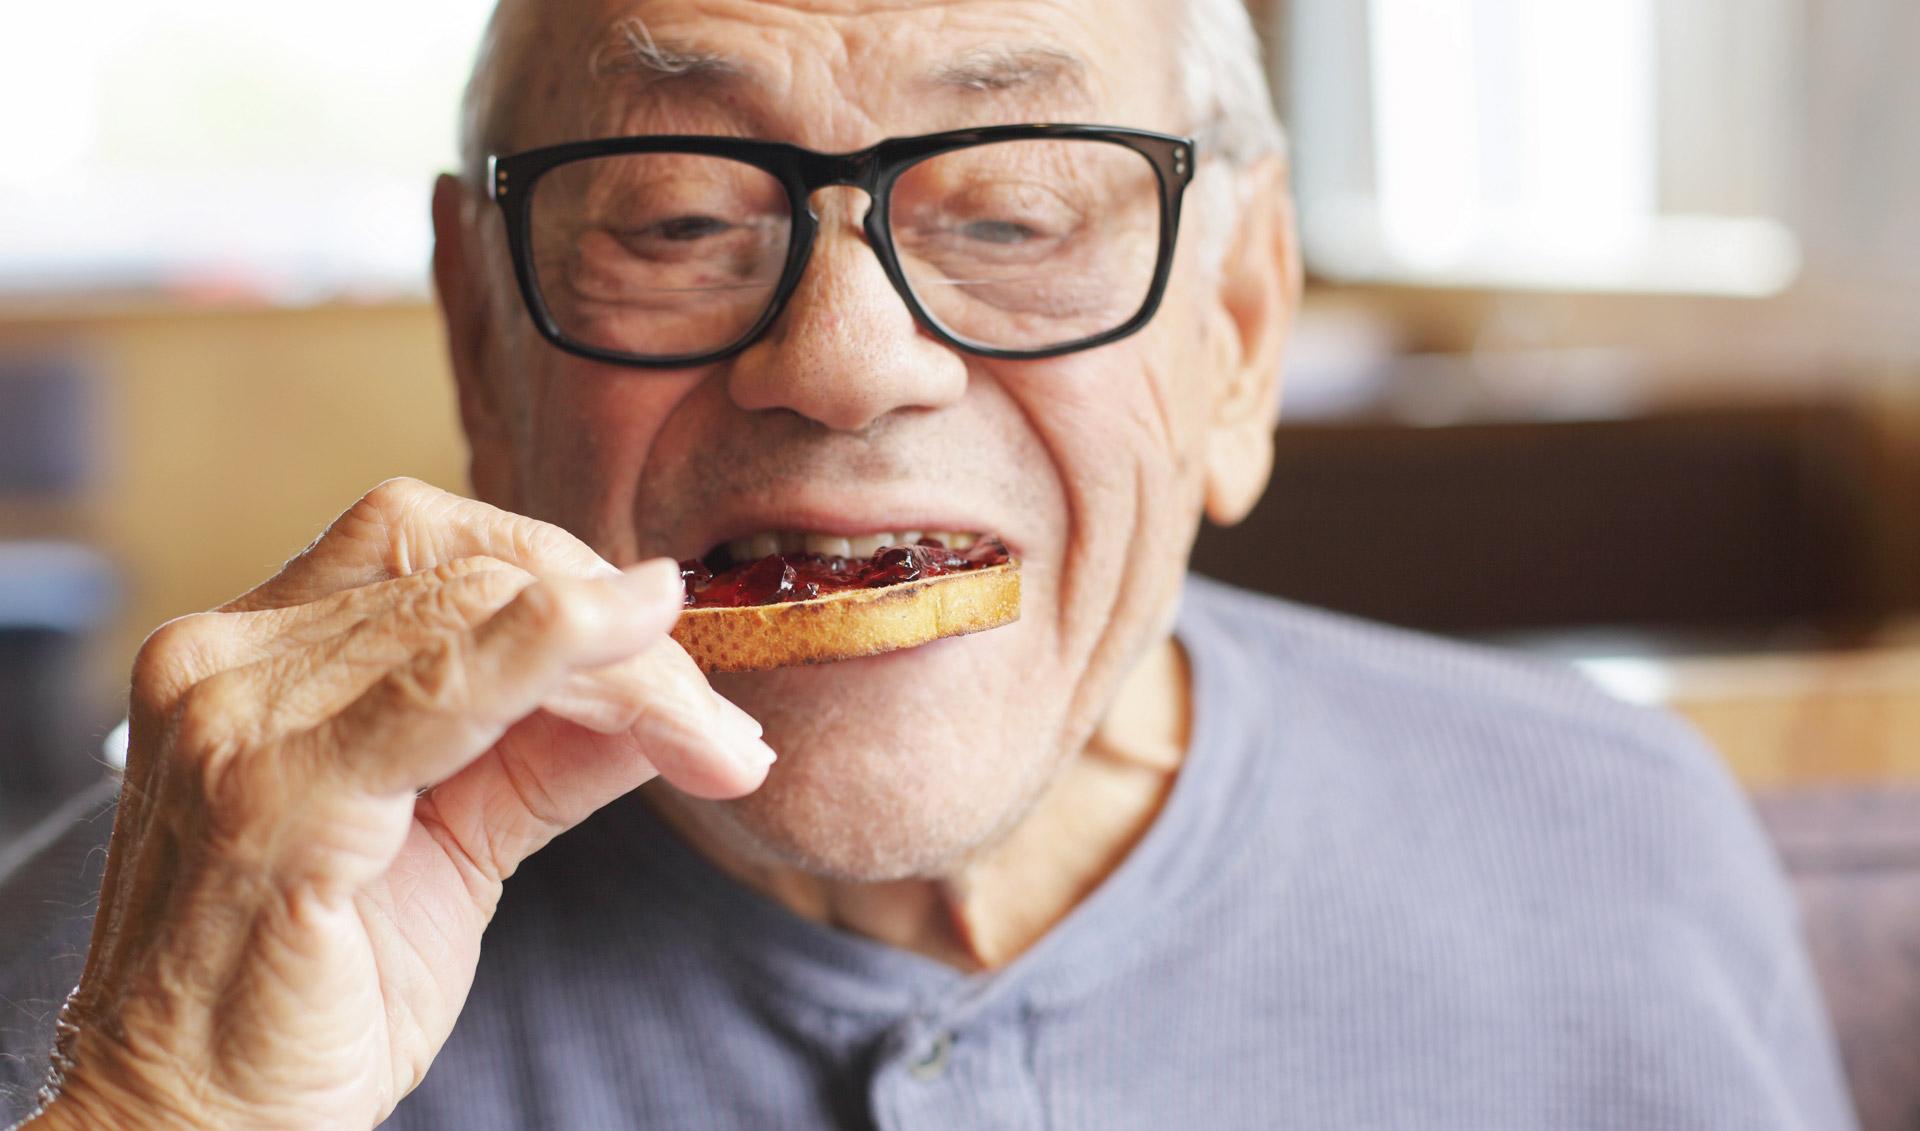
{"x": 847, "y": 625}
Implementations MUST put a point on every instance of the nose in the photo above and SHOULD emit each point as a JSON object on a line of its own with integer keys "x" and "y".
{"x": 846, "y": 351}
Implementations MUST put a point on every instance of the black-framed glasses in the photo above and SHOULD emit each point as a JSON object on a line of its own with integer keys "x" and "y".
{"x": 1019, "y": 241}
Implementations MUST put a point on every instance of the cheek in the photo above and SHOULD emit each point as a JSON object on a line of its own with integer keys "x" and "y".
{"x": 1120, "y": 430}
{"x": 1181, "y": 360}
{"x": 585, "y": 438}
{"x": 1120, "y": 423}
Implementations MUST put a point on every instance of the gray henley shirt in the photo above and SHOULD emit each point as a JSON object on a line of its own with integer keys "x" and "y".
{"x": 1399, "y": 883}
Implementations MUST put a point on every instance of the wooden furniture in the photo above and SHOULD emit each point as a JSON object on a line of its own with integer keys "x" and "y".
{"x": 1795, "y": 719}
{"x": 1700, "y": 520}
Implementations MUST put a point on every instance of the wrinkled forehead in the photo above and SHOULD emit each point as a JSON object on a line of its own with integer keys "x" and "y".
{"x": 835, "y": 74}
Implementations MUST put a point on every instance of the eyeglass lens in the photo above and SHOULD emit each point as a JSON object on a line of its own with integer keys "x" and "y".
{"x": 1018, "y": 245}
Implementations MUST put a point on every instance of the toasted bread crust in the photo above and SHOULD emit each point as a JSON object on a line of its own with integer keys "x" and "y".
{"x": 844, "y": 626}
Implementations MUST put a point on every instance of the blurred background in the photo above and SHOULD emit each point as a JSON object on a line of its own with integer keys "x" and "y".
{"x": 1611, "y": 347}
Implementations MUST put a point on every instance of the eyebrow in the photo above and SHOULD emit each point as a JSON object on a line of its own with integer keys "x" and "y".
{"x": 631, "y": 50}
{"x": 999, "y": 69}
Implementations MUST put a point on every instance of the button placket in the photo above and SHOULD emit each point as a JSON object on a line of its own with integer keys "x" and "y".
{"x": 910, "y": 1090}
{"x": 932, "y": 1063}
{"x": 948, "y": 1068}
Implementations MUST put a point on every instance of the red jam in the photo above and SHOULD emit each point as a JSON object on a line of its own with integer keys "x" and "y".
{"x": 802, "y": 577}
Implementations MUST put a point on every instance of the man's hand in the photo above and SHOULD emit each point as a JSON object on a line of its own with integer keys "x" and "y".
{"x": 327, "y": 782}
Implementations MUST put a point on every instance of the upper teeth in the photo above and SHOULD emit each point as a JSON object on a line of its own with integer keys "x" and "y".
{"x": 769, "y": 542}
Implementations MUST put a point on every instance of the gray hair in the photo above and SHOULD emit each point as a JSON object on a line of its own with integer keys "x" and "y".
{"x": 1230, "y": 106}
{"x": 1225, "y": 83}
{"x": 1221, "y": 77}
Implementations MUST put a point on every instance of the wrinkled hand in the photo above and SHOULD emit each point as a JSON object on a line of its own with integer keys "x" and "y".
{"x": 328, "y": 780}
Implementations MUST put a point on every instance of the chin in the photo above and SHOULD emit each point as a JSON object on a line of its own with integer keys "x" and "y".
{"x": 898, "y": 766}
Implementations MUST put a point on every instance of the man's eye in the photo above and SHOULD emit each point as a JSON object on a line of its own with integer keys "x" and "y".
{"x": 999, "y": 231}
{"x": 689, "y": 228}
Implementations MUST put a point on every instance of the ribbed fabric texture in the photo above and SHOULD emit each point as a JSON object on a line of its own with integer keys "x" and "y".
{"x": 1399, "y": 884}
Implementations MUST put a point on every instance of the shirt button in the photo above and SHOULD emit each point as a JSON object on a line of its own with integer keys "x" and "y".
{"x": 934, "y": 1061}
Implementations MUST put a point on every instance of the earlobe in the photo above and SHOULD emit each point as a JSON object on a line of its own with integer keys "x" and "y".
{"x": 1259, "y": 289}
{"x": 459, "y": 274}
{"x": 1238, "y": 464}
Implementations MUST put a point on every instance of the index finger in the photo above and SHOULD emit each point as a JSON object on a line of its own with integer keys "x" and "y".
{"x": 404, "y": 526}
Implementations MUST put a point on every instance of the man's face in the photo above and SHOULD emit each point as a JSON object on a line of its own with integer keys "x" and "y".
{"x": 848, "y": 419}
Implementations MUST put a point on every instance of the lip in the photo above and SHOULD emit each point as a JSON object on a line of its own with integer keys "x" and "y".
{"x": 846, "y": 519}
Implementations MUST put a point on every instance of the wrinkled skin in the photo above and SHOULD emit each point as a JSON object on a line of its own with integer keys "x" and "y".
{"x": 330, "y": 778}
{"x": 1093, "y": 466}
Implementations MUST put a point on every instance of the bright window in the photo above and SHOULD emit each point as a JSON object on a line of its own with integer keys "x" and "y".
{"x": 228, "y": 148}
{"x": 1628, "y": 144}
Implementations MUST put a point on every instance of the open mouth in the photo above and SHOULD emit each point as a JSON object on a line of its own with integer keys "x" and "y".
{"x": 780, "y": 566}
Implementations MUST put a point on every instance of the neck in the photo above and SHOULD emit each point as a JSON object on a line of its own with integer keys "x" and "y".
{"x": 1005, "y": 898}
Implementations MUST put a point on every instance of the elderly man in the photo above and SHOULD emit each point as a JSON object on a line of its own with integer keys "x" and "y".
{"x": 438, "y": 824}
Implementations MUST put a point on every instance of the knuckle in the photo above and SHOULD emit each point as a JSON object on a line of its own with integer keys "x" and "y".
{"x": 549, "y": 546}
{"x": 229, "y": 793}
{"x": 462, "y": 601}
{"x": 242, "y": 799}
{"x": 540, "y": 540}
{"x": 491, "y": 590}
{"x": 477, "y": 564}
{"x": 540, "y": 609}
{"x": 206, "y": 723}
{"x": 208, "y": 757}
{"x": 438, "y": 680}
{"x": 554, "y": 613}
{"x": 378, "y": 516}
{"x": 525, "y": 542}
{"x": 179, "y": 639}
{"x": 170, "y": 657}
{"x": 440, "y": 608}
{"x": 488, "y": 578}
{"x": 398, "y": 493}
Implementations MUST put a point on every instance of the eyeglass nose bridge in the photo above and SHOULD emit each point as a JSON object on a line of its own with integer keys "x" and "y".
{"x": 860, "y": 169}
{"x": 865, "y": 170}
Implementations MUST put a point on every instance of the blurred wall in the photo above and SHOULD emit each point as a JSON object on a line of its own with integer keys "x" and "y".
{"x": 229, "y": 438}
{"x": 1556, "y": 356}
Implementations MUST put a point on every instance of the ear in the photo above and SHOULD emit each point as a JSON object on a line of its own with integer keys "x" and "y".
{"x": 1259, "y": 290}
{"x": 460, "y": 274}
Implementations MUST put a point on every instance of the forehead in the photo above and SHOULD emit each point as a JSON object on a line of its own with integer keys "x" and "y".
{"x": 838, "y": 74}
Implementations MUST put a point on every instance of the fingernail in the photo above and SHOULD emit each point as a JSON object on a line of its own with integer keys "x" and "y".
{"x": 655, "y": 582}
{"x": 754, "y": 754}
